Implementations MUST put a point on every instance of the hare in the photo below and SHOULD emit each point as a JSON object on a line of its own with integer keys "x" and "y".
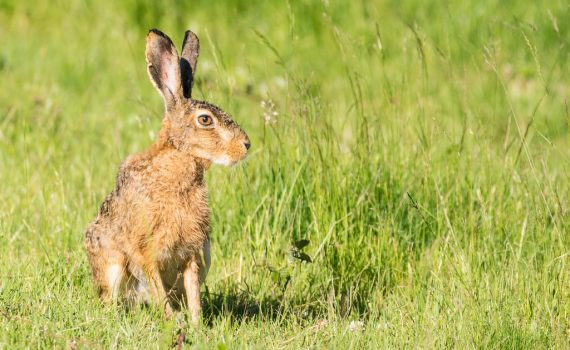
{"x": 150, "y": 237}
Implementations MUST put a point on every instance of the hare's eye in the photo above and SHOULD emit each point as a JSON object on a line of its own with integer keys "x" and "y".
{"x": 205, "y": 120}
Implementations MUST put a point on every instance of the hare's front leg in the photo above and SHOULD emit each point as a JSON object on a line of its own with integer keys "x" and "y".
{"x": 192, "y": 287}
{"x": 194, "y": 275}
{"x": 206, "y": 261}
{"x": 157, "y": 289}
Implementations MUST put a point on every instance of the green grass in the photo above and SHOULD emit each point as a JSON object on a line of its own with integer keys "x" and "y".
{"x": 421, "y": 149}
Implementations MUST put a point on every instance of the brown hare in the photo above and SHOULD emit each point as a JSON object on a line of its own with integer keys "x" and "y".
{"x": 150, "y": 238}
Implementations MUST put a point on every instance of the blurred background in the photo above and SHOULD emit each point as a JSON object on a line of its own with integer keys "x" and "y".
{"x": 420, "y": 149}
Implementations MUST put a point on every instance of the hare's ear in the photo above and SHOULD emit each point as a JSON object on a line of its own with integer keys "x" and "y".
{"x": 163, "y": 66}
{"x": 190, "y": 52}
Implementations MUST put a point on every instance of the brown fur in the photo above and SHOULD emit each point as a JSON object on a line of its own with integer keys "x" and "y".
{"x": 150, "y": 238}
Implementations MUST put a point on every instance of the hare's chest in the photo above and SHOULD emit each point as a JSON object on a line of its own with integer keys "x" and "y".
{"x": 183, "y": 223}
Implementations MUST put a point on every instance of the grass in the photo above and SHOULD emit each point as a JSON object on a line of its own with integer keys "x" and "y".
{"x": 421, "y": 149}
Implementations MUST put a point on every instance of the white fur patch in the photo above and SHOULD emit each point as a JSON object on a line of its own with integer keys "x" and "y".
{"x": 114, "y": 275}
{"x": 223, "y": 161}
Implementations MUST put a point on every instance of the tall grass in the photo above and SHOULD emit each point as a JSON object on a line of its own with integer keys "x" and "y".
{"x": 421, "y": 149}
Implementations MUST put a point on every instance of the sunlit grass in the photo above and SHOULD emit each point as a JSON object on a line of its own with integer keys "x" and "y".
{"x": 421, "y": 149}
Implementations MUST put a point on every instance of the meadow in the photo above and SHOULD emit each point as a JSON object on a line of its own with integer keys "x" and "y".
{"x": 407, "y": 184}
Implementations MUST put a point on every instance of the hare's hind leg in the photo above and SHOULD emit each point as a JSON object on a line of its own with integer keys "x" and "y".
{"x": 110, "y": 281}
{"x": 115, "y": 275}
{"x": 136, "y": 290}
{"x": 107, "y": 264}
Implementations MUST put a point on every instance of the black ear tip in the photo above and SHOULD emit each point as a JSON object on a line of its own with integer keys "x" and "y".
{"x": 190, "y": 34}
{"x": 160, "y": 34}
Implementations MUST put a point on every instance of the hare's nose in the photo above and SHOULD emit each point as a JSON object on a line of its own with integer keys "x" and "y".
{"x": 247, "y": 145}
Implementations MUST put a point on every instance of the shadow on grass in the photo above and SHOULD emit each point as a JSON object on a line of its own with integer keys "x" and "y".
{"x": 240, "y": 306}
